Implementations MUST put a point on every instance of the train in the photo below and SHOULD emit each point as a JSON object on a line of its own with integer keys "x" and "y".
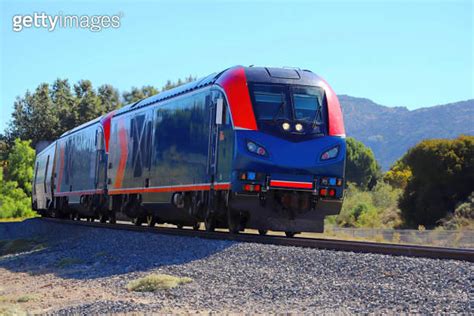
{"x": 249, "y": 147}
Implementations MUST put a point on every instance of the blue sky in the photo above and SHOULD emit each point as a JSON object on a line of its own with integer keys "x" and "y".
{"x": 397, "y": 53}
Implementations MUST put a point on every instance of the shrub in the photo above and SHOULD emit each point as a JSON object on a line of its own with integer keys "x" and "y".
{"x": 376, "y": 208}
{"x": 462, "y": 217}
{"x": 361, "y": 166}
{"x": 155, "y": 282}
{"x": 13, "y": 201}
{"x": 442, "y": 176}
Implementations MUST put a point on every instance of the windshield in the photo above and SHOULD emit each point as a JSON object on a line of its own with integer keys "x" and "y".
{"x": 274, "y": 103}
{"x": 270, "y": 102}
{"x": 307, "y": 103}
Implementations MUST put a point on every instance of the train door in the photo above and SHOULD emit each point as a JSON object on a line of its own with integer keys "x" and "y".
{"x": 141, "y": 129}
{"x": 215, "y": 111}
{"x": 100, "y": 159}
{"x": 225, "y": 144}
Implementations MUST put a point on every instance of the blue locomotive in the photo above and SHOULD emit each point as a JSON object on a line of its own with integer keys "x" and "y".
{"x": 249, "y": 147}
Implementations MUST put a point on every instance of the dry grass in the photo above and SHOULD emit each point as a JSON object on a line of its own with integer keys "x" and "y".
{"x": 67, "y": 262}
{"x": 15, "y": 219}
{"x": 20, "y": 299}
{"x": 11, "y": 311}
{"x": 156, "y": 282}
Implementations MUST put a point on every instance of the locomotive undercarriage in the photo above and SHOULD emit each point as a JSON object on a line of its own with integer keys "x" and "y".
{"x": 280, "y": 210}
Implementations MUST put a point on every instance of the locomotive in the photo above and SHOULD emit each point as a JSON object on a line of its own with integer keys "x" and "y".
{"x": 249, "y": 147}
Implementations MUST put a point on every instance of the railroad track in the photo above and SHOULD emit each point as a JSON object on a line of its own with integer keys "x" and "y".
{"x": 320, "y": 243}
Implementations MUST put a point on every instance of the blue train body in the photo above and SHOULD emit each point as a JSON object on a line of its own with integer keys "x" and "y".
{"x": 251, "y": 147}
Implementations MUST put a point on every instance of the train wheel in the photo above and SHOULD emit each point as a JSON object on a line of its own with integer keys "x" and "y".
{"x": 233, "y": 221}
{"x": 210, "y": 222}
{"x": 150, "y": 220}
{"x": 112, "y": 218}
{"x": 102, "y": 218}
{"x": 262, "y": 232}
{"x": 137, "y": 221}
{"x": 290, "y": 234}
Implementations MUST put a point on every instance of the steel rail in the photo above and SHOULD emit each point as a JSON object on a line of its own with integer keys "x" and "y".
{"x": 319, "y": 243}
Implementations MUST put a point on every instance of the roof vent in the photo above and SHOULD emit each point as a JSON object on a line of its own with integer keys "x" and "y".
{"x": 283, "y": 73}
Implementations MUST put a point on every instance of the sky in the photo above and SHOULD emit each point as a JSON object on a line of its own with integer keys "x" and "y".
{"x": 397, "y": 53}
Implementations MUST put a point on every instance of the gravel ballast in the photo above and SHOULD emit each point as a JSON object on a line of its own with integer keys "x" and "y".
{"x": 227, "y": 276}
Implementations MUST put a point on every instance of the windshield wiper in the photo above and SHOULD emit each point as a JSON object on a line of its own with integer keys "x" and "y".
{"x": 282, "y": 104}
{"x": 317, "y": 118}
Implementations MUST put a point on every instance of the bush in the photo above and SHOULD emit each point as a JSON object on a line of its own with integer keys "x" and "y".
{"x": 155, "y": 282}
{"x": 442, "y": 176}
{"x": 13, "y": 201}
{"x": 15, "y": 189}
{"x": 361, "y": 166}
{"x": 398, "y": 175}
{"x": 376, "y": 208}
{"x": 462, "y": 217}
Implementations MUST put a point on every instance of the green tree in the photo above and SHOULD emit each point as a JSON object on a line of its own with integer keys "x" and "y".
{"x": 361, "y": 166}
{"x": 13, "y": 200}
{"x": 65, "y": 103}
{"x": 20, "y": 165}
{"x": 170, "y": 84}
{"x": 35, "y": 117}
{"x": 89, "y": 106}
{"x": 109, "y": 98}
{"x": 398, "y": 175}
{"x": 137, "y": 94}
{"x": 442, "y": 176}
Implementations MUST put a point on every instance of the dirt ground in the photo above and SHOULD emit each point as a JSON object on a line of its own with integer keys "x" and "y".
{"x": 21, "y": 292}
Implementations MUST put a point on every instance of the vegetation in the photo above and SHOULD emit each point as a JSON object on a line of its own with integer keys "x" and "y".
{"x": 15, "y": 186}
{"x": 361, "y": 166}
{"x": 375, "y": 208}
{"x": 67, "y": 262}
{"x": 442, "y": 177}
{"x": 156, "y": 282}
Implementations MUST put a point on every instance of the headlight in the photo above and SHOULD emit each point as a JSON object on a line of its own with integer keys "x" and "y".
{"x": 256, "y": 149}
{"x": 330, "y": 154}
{"x": 299, "y": 127}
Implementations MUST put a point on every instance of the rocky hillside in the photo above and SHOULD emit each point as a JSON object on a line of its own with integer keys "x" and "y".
{"x": 390, "y": 131}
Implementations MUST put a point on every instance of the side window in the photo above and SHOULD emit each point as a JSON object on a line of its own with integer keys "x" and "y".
{"x": 227, "y": 122}
{"x": 100, "y": 139}
{"x": 147, "y": 151}
{"x": 227, "y": 118}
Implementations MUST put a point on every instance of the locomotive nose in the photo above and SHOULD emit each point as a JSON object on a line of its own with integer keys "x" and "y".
{"x": 321, "y": 155}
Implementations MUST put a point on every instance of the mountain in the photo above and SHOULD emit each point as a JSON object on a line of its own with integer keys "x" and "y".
{"x": 390, "y": 131}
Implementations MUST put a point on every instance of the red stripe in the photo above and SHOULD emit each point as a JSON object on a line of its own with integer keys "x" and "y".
{"x": 291, "y": 184}
{"x": 106, "y": 126}
{"x": 336, "y": 121}
{"x": 222, "y": 186}
{"x": 123, "y": 142}
{"x": 174, "y": 188}
{"x": 234, "y": 83}
{"x": 84, "y": 192}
